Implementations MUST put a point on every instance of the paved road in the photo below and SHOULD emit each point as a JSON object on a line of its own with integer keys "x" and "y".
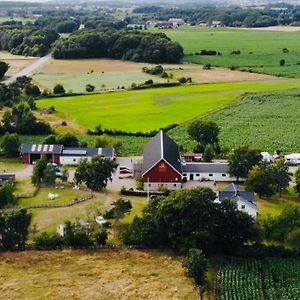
{"x": 29, "y": 69}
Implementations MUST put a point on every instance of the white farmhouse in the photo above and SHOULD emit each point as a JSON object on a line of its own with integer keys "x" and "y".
{"x": 245, "y": 200}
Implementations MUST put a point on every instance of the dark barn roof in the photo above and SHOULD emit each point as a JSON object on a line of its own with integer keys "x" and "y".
{"x": 161, "y": 147}
{"x": 107, "y": 152}
{"x": 4, "y": 177}
{"x": 41, "y": 149}
{"x": 205, "y": 168}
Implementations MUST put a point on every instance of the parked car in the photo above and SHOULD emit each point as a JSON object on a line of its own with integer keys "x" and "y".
{"x": 56, "y": 169}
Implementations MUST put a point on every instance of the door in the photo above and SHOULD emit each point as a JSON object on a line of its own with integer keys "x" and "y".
{"x": 191, "y": 176}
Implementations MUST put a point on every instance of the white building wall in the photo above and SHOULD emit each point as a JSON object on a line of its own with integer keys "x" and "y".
{"x": 242, "y": 206}
{"x": 209, "y": 176}
{"x": 156, "y": 186}
{"x": 72, "y": 160}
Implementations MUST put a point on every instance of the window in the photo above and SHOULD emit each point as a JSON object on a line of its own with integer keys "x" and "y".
{"x": 243, "y": 206}
{"x": 74, "y": 159}
{"x": 197, "y": 174}
{"x": 184, "y": 174}
{"x": 175, "y": 184}
{"x": 210, "y": 175}
{"x": 149, "y": 184}
{"x": 224, "y": 175}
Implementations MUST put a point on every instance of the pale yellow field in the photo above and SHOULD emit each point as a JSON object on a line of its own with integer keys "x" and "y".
{"x": 105, "y": 274}
{"x": 16, "y": 62}
{"x": 117, "y": 67}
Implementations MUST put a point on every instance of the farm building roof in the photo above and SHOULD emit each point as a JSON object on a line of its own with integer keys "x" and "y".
{"x": 205, "y": 168}
{"x": 107, "y": 152}
{"x": 161, "y": 147}
{"x": 4, "y": 177}
{"x": 41, "y": 149}
{"x": 236, "y": 193}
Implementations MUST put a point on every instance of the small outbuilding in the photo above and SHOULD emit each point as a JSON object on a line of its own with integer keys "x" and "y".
{"x": 33, "y": 152}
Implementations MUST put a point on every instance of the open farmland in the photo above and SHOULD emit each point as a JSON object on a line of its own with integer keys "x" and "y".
{"x": 75, "y": 74}
{"x": 268, "y": 121}
{"x": 105, "y": 274}
{"x": 261, "y": 50}
{"x": 151, "y": 109}
{"x": 272, "y": 278}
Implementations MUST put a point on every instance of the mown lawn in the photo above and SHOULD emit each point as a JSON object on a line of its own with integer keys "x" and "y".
{"x": 261, "y": 51}
{"x": 8, "y": 165}
{"x": 152, "y": 109}
{"x": 104, "y": 275}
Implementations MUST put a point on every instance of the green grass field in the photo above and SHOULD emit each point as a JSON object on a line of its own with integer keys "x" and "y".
{"x": 261, "y": 51}
{"x": 151, "y": 109}
{"x": 76, "y": 82}
{"x": 268, "y": 121}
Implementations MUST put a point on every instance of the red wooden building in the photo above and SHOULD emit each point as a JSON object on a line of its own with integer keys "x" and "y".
{"x": 162, "y": 165}
{"x": 32, "y": 152}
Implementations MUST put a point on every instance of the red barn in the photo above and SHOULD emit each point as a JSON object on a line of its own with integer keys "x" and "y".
{"x": 32, "y": 152}
{"x": 162, "y": 165}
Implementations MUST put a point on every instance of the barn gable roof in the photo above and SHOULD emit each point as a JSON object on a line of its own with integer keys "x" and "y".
{"x": 161, "y": 147}
{"x": 41, "y": 149}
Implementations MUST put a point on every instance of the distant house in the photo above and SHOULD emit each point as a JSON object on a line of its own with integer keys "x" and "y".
{"x": 136, "y": 27}
{"x": 292, "y": 159}
{"x": 164, "y": 24}
{"x": 177, "y": 22}
{"x": 216, "y": 24}
{"x": 62, "y": 155}
{"x": 245, "y": 200}
{"x": 4, "y": 177}
{"x": 192, "y": 157}
{"x": 202, "y": 24}
{"x": 161, "y": 165}
{"x": 207, "y": 171}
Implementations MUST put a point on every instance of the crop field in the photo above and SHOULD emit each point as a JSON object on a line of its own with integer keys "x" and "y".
{"x": 111, "y": 74}
{"x": 151, "y": 109}
{"x": 260, "y": 50}
{"x": 267, "y": 121}
{"x": 105, "y": 274}
{"x": 272, "y": 278}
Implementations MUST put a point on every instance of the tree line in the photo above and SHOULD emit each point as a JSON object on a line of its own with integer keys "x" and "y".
{"x": 118, "y": 44}
{"x": 229, "y": 16}
{"x": 26, "y": 41}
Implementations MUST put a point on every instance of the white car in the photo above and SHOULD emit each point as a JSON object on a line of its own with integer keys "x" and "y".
{"x": 100, "y": 220}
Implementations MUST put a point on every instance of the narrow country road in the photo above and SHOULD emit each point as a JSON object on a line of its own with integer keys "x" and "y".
{"x": 29, "y": 69}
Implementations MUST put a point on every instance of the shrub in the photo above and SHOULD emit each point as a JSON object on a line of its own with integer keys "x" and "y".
{"x": 182, "y": 80}
{"x": 59, "y": 89}
{"x": 47, "y": 241}
{"x": 282, "y": 62}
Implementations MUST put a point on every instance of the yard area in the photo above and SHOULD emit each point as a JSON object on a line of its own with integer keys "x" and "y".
{"x": 105, "y": 274}
{"x": 10, "y": 165}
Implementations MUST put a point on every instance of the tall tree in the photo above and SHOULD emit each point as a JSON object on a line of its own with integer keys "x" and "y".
{"x": 10, "y": 144}
{"x": 281, "y": 177}
{"x": 261, "y": 181}
{"x": 39, "y": 168}
{"x": 242, "y": 160}
{"x": 205, "y": 133}
{"x": 3, "y": 68}
{"x": 95, "y": 174}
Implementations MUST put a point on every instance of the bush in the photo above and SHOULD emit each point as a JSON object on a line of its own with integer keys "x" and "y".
{"x": 59, "y": 89}
{"x": 282, "y": 62}
{"x": 182, "y": 80}
{"x": 47, "y": 241}
{"x": 207, "y": 67}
